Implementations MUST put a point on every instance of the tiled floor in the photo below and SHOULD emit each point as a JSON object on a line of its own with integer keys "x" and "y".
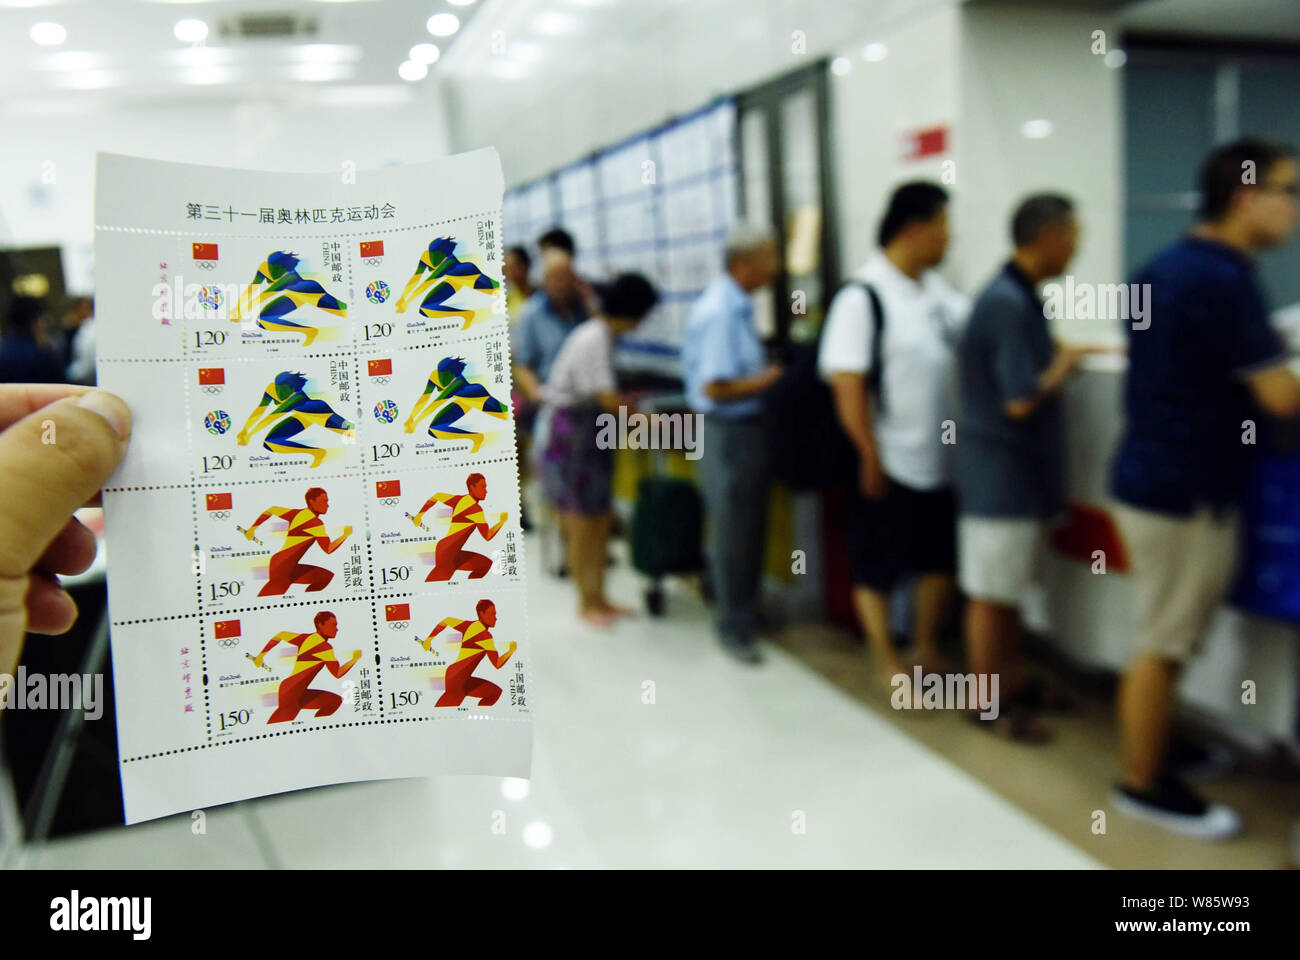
{"x": 1064, "y": 784}
{"x": 728, "y": 766}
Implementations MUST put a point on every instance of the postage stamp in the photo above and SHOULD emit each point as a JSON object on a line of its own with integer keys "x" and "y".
{"x": 446, "y": 527}
{"x": 430, "y": 286}
{"x": 258, "y": 419}
{"x": 457, "y": 652}
{"x": 292, "y": 539}
{"x": 293, "y": 665}
{"x": 240, "y": 297}
{"x": 435, "y": 406}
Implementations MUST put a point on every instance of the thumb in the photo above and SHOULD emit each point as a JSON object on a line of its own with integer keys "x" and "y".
{"x": 52, "y": 462}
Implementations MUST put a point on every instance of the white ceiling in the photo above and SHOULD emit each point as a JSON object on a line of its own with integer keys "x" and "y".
{"x": 128, "y": 48}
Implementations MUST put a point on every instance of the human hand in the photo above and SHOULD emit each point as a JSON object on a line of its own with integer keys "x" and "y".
{"x": 871, "y": 478}
{"x": 58, "y": 446}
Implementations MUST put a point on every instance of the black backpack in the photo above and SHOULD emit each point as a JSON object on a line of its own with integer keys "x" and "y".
{"x": 811, "y": 449}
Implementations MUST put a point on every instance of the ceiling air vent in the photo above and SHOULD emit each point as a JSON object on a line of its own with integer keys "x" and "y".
{"x": 276, "y": 26}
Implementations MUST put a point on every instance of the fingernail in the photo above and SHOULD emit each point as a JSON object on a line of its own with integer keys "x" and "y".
{"x": 110, "y": 408}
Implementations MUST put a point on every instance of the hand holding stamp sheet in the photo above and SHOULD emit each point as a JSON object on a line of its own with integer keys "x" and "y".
{"x": 315, "y": 566}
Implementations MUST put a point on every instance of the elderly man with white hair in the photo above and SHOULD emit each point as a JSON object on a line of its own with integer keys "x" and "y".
{"x": 548, "y": 318}
{"x": 726, "y": 375}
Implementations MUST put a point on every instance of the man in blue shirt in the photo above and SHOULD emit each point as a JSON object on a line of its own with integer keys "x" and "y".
{"x": 726, "y": 374}
{"x": 1200, "y": 369}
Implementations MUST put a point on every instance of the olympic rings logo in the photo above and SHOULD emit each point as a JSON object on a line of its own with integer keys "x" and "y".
{"x": 219, "y": 514}
{"x": 380, "y": 380}
{"x": 389, "y": 501}
{"x": 206, "y": 264}
{"x": 398, "y": 624}
{"x": 373, "y": 261}
{"x": 228, "y": 642}
{"x": 212, "y": 391}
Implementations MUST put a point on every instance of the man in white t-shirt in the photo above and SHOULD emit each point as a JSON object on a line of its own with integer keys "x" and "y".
{"x": 896, "y": 400}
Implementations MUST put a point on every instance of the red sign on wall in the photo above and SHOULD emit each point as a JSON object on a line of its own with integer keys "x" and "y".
{"x": 925, "y": 142}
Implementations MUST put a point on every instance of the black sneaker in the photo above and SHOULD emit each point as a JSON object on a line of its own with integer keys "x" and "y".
{"x": 1172, "y": 805}
{"x": 746, "y": 651}
{"x": 1192, "y": 761}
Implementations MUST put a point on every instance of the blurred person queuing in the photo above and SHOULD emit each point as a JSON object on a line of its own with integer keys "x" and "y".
{"x": 546, "y": 320}
{"x": 519, "y": 286}
{"x": 557, "y": 238}
{"x": 76, "y": 312}
{"x": 548, "y": 317}
{"x": 23, "y": 357}
{"x": 726, "y": 374}
{"x": 577, "y": 469}
{"x": 892, "y": 398}
{"x": 1011, "y": 454}
{"x": 1207, "y": 352}
{"x": 81, "y": 352}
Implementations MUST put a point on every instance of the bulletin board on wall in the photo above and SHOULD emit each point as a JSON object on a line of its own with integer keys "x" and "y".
{"x": 660, "y": 203}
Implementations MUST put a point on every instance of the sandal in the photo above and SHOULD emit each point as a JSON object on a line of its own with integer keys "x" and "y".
{"x": 1037, "y": 694}
{"x": 1014, "y": 723}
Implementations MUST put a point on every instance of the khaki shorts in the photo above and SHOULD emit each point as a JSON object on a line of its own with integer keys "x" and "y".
{"x": 997, "y": 557}
{"x": 1182, "y": 568}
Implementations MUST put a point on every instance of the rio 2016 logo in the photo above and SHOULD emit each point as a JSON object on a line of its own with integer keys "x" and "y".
{"x": 385, "y": 411}
{"x": 377, "y": 292}
{"x": 217, "y": 422}
{"x": 210, "y": 298}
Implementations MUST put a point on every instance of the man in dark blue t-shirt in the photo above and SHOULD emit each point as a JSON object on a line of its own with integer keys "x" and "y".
{"x": 1200, "y": 368}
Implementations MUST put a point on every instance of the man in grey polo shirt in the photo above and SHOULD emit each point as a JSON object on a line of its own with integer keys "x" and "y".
{"x": 1010, "y": 450}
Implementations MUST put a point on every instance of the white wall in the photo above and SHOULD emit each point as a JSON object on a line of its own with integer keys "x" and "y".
{"x": 635, "y": 65}
{"x": 916, "y": 86}
{"x": 59, "y": 140}
{"x": 979, "y": 71}
{"x": 1019, "y": 65}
